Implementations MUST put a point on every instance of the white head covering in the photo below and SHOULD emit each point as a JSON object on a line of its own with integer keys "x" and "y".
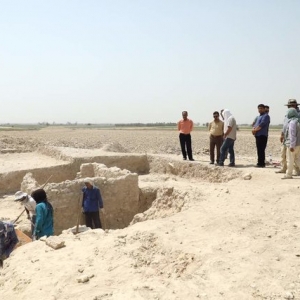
{"x": 19, "y": 195}
{"x": 226, "y": 115}
{"x": 89, "y": 180}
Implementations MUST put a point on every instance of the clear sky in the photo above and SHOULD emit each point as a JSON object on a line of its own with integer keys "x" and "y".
{"x": 112, "y": 61}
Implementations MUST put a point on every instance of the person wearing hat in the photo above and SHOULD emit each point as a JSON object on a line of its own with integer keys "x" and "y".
{"x": 91, "y": 203}
{"x": 292, "y": 142}
{"x": 8, "y": 240}
{"x": 292, "y": 103}
{"x": 29, "y": 205}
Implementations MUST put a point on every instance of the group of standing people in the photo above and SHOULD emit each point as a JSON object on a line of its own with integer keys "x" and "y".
{"x": 290, "y": 141}
{"x": 40, "y": 213}
{"x": 222, "y": 137}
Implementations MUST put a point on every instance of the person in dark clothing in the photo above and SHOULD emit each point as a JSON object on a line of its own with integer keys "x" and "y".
{"x": 44, "y": 215}
{"x": 260, "y": 131}
{"x": 91, "y": 203}
{"x": 8, "y": 240}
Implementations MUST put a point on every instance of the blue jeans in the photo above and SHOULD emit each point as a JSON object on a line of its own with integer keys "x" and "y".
{"x": 227, "y": 145}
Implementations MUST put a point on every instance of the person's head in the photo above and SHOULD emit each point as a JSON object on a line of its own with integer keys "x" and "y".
{"x": 292, "y": 103}
{"x": 267, "y": 108}
{"x": 184, "y": 115}
{"x": 261, "y": 108}
{"x": 216, "y": 115}
{"x": 226, "y": 114}
{"x": 292, "y": 113}
{"x": 88, "y": 183}
{"x": 20, "y": 196}
{"x": 39, "y": 196}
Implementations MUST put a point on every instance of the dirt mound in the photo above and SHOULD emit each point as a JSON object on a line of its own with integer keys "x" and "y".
{"x": 114, "y": 147}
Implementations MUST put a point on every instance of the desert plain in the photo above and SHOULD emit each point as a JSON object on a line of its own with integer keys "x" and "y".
{"x": 210, "y": 233}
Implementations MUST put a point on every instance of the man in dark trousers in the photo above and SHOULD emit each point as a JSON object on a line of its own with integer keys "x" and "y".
{"x": 260, "y": 131}
{"x": 91, "y": 204}
{"x": 185, "y": 126}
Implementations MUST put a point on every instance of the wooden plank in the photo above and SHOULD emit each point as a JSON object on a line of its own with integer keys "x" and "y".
{"x": 23, "y": 238}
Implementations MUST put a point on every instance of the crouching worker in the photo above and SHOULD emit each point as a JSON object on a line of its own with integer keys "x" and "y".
{"x": 29, "y": 205}
{"x": 44, "y": 215}
{"x": 91, "y": 203}
{"x": 8, "y": 240}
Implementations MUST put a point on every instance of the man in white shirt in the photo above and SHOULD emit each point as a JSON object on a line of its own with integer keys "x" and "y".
{"x": 29, "y": 205}
{"x": 229, "y": 138}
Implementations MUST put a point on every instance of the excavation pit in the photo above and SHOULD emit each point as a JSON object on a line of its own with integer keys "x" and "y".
{"x": 117, "y": 175}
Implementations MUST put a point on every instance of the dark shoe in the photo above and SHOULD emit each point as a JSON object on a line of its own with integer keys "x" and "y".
{"x": 184, "y": 158}
{"x": 220, "y": 164}
{"x": 231, "y": 165}
{"x": 192, "y": 159}
{"x": 212, "y": 163}
{"x": 260, "y": 166}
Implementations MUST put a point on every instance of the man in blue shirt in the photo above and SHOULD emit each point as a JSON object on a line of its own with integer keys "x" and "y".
{"x": 91, "y": 203}
{"x": 260, "y": 131}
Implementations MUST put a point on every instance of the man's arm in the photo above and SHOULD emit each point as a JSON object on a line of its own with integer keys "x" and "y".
{"x": 227, "y": 131}
{"x": 292, "y": 135}
{"x": 39, "y": 220}
{"x": 100, "y": 201}
{"x": 192, "y": 125}
{"x": 178, "y": 126}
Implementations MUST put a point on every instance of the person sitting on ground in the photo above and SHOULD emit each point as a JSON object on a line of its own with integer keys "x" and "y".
{"x": 292, "y": 142}
{"x": 91, "y": 203}
{"x": 29, "y": 205}
{"x": 8, "y": 240}
{"x": 44, "y": 215}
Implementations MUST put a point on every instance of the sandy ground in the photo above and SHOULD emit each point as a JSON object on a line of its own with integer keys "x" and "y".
{"x": 230, "y": 240}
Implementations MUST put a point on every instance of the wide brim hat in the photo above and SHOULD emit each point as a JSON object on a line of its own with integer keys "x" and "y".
{"x": 292, "y": 102}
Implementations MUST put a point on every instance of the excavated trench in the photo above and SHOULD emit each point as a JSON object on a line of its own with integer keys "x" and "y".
{"x": 117, "y": 175}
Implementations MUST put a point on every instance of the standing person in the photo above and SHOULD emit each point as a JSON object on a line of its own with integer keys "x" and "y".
{"x": 216, "y": 128}
{"x": 292, "y": 103}
{"x": 44, "y": 215}
{"x": 185, "y": 126}
{"x": 292, "y": 142}
{"x": 260, "y": 131}
{"x": 267, "y": 109}
{"x": 29, "y": 205}
{"x": 229, "y": 138}
{"x": 8, "y": 240}
{"x": 91, "y": 203}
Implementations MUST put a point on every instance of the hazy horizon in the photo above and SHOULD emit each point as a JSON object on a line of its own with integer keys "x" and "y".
{"x": 147, "y": 61}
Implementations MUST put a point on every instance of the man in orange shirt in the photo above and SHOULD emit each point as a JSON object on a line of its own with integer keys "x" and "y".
{"x": 185, "y": 126}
